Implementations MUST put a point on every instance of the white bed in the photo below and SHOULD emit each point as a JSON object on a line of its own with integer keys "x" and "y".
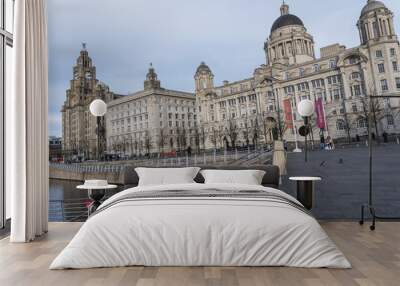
{"x": 200, "y": 231}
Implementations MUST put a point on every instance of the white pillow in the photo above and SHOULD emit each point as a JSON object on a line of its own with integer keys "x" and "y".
{"x": 243, "y": 177}
{"x": 166, "y": 176}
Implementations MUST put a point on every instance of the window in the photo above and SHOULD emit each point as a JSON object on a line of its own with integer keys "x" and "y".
{"x": 340, "y": 125}
{"x": 301, "y": 71}
{"x": 361, "y": 122}
{"x": 392, "y": 52}
{"x": 395, "y": 67}
{"x": 398, "y": 82}
{"x": 375, "y": 29}
{"x": 6, "y": 42}
{"x": 390, "y": 120}
{"x": 316, "y": 68}
{"x": 379, "y": 54}
{"x": 381, "y": 68}
{"x": 352, "y": 60}
{"x": 332, "y": 64}
{"x": 354, "y": 107}
{"x": 357, "y": 90}
{"x": 355, "y": 75}
{"x": 384, "y": 85}
{"x": 336, "y": 94}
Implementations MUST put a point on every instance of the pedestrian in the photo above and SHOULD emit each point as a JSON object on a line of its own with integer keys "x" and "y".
{"x": 329, "y": 142}
{"x": 322, "y": 142}
{"x": 385, "y": 137}
{"x": 189, "y": 151}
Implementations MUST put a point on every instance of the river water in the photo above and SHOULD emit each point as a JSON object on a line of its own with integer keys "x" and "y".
{"x": 67, "y": 203}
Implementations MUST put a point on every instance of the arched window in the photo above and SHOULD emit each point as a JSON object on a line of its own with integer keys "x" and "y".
{"x": 340, "y": 125}
{"x": 353, "y": 60}
{"x": 355, "y": 75}
{"x": 362, "y": 122}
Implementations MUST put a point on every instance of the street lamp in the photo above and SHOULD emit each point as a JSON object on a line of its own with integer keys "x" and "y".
{"x": 306, "y": 110}
{"x": 98, "y": 108}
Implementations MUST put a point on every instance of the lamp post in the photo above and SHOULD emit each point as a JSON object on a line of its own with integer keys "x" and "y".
{"x": 305, "y": 109}
{"x": 98, "y": 108}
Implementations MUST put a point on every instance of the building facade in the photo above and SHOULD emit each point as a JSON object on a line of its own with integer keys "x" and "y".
{"x": 55, "y": 149}
{"x": 153, "y": 120}
{"x": 79, "y": 127}
{"x": 264, "y": 107}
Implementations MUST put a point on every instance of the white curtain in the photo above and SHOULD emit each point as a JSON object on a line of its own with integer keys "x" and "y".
{"x": 26, "y": 124}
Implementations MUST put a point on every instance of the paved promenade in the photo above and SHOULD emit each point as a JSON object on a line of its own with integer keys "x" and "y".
{"x": 345, "y": 180}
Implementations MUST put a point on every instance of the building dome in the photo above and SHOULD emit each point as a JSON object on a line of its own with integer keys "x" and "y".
{"x": 286, "y": 20}
{"x": 371, "y": 6}
{"x": 203, "y": 68}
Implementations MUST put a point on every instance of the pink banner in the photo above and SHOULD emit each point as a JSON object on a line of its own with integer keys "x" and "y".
{"x": 319, "y": 109}
{"x": 287, "y": 106}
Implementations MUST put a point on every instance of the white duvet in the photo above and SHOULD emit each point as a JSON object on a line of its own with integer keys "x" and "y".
{"x": 200, "y": 232}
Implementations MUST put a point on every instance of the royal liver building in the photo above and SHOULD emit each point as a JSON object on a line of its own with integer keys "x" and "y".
{"x": 78, "y": 125}
{"x": 263, "y": 107}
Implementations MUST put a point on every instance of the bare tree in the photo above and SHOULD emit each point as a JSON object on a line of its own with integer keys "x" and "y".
{"x": 255, "y": 132}
{"x": 214, "y": 137}
{"x": 180, "y": 138}
{"x": 183, "y": 138}
{"x": 197, "y": 139}
{"x": 246, "y": 131}
{"x": 264, "y": 127}
{"x": 147, "y": 142}
{"x": 203, "y": 137}
{"x": 282, "y": 126}
{"x": 372, "y": 107}
{"x": 232, "y": 132}
{"x": 161, "y": 141}
{"x": 136, "y": 146}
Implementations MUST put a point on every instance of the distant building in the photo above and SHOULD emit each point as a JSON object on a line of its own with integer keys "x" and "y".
{"x": 153, "y": 120}
{"x": 260, "y": 108}
{"x": 78, "y": 125}
{"x": 55, "y": 148}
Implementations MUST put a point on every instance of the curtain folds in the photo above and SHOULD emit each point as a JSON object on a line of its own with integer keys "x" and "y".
{"x": 26, "y": 119}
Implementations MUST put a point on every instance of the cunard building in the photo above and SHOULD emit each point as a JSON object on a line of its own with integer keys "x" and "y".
{"x": 79, "y": 137}
{"x": 263, "y": 107}
{"x": 152, "y": 120}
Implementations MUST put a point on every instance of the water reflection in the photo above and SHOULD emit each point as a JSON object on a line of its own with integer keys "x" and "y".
{"x": 67, "y": 203}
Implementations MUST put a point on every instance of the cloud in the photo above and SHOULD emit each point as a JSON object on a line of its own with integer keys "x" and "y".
{"x": 124, "y": 36}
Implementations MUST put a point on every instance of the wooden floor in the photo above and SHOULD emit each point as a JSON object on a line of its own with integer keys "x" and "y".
{"x": 375, "y": 257}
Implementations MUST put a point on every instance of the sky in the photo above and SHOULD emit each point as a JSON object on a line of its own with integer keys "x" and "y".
{"x": 124, "y": 36}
